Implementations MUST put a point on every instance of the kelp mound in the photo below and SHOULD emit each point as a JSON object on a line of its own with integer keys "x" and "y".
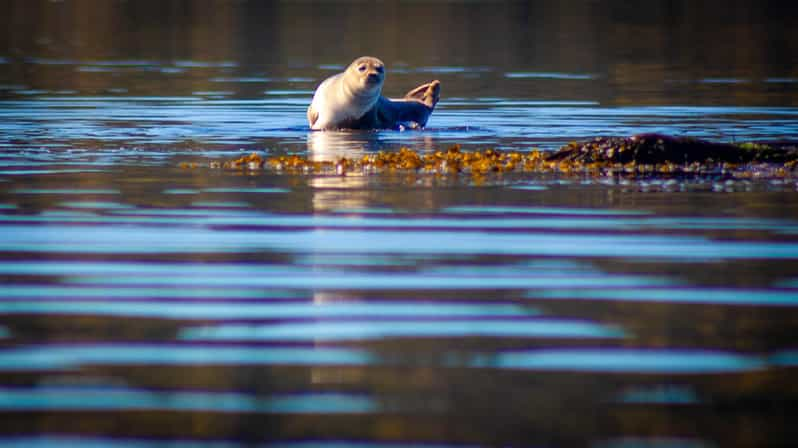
{"x": 650, "y": 149}
{"x": 653, "y": 154}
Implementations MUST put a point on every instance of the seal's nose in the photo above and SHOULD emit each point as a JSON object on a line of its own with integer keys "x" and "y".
{"x": 373, "y": 78}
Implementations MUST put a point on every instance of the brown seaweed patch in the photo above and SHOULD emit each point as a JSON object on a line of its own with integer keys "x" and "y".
{"x": 646, "y": 154}
{"x": 450, "y": 161}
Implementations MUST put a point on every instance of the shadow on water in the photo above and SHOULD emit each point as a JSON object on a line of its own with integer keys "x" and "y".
{"x": 144, "y": 304}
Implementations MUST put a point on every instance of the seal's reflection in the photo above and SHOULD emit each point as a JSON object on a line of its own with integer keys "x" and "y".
{"x": 333, "y": 145}
{"x": 348, "y": 191}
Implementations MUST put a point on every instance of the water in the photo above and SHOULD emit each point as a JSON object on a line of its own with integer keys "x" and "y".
{"x": 145, "y": 304}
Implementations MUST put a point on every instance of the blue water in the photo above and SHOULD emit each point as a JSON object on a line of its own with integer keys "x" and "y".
{"x": 216, "y": 307}
{"x": 277, "y": 122}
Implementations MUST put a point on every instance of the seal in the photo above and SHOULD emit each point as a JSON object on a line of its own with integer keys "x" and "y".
{"x": 353, "y": 100}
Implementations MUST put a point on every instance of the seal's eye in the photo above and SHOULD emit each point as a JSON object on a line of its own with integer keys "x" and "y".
{"x": 380, "y": 69}
{"x": 362, "y": 68}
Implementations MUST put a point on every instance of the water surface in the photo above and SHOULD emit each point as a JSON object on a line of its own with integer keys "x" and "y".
{"x": 146, "y": 304}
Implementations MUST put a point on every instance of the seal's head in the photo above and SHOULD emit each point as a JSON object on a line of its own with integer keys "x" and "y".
{"x": 367, "y": 74}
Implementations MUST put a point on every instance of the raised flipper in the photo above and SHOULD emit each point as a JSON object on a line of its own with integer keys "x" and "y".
{"x": 429, "y": 94}
{"x": 410, "y": 112}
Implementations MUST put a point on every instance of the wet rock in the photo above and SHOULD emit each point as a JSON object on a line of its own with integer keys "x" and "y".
{"x": 654, "y": 149}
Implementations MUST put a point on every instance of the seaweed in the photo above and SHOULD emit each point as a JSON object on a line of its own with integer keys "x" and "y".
{"x": 649, "y": 154}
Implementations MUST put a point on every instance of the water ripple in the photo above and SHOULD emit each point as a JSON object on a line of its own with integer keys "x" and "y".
{"x": 59, "y": 357}
{"x": 86, "y": 399}
{"x": 719, "y": 296}
{"x": 606, "y": 360}
{"x": 365, "y": 330}
{"x": 628, "y": 360}
{"x": 170, "y": 239}
{"x": 222, "y": 311}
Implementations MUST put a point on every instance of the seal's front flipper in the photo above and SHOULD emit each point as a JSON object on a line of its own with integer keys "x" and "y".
{"x": 312, "y": 116}
{"x": 429, "y": 94}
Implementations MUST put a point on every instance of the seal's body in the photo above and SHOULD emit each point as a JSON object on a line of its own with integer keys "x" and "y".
{"x": 353, "y": 100}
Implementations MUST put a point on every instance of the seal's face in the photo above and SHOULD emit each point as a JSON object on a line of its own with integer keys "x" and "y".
{"x": 368, "y": 73}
